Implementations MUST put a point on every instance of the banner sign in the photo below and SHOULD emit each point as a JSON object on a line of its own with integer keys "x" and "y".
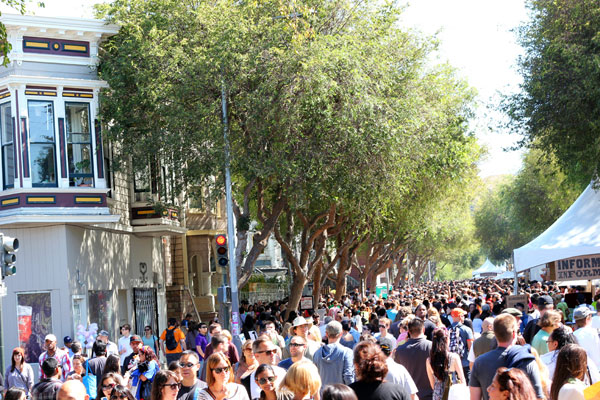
{"x": 577, "y": 268}
{"x": 514, "y": 299}
{"x": 306, "y": 303}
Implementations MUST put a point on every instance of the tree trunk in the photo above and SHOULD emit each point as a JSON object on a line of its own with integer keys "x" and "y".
{"x": 296, "y": 294}
{"x": 317, "y": 284}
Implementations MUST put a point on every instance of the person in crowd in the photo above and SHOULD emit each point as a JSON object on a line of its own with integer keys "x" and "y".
{"x": 560, "y": 337}
{"x": 413, "y": 356}
{"x": 272, "y": 334}
{"x": 507, "y": 354}
{"x": 120, "y": 392}
{"x": 265, "y": 379}
{"x": 48, "y": 386}
{"x": 548, "y": 322}
{"x": 215, "y": 329}
{"x": 247, "y": 363}
{"x": 441, "y": 363}
{"x": 383, "y": 335}
{"x": 124, "y": 343}
{"x": 297, "y": 346}
{"x": 338, "y": 392}
{"x": 111, "y": 347}
{"x": 397, "y": 373}
{"x": 172, "y": 341}
{"x": 76, "y": 349}
{"x": 150, "y": 339}
{"x": 54, "y": 352}
{"x": 72, "y": 390}
{"x": 219, "y": 379}
{"x": 461, "y": 338}
{"x": 571, "y": 367}
{"x": 108, "y": 382}
{"x": 371, "y": 370}
{"x": 68, "y": 342}
{"x": 333, "y": 360}
{"x": 175, "y": 367}
{"x": 202, "y": 341}
{"x": 265, "y": 352}
{"x": 165, "y": 386}
{"x": 300, "y": 327}
{"x": 544, "y": 303}
{"x": 301, "y": 382}
{"x": 190, "y": 336}
{"x": 348, "y": 340}
{"x": 95, "y": 365}
{"x": 132, "y": 359}
{"x": 421, "y": 312}
{"x": 587, "y": 337}
{"x": 510, "y": 384}
{"x": 113, "y": 364}
{"x": 218, "y": 344}
{"x": 143, "y": 375}
{"x": 19, "y": 374}
{"x": 15, "y": 393}
{"x": 189, "y": 365}
{"x": 78, "y": 371}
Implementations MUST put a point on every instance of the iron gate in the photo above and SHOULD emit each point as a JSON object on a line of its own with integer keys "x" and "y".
{"x": 146, "y": 310}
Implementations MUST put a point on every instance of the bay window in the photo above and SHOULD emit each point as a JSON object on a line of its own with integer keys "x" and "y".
{"x": 8, "y": 147}
{"x": 42, "y": 143}
{"x": 79, "y": 144}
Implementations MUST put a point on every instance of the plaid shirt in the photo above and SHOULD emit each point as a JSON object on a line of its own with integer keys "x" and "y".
{"x": 63, "y": 360}
{"x": 46, "y": 389}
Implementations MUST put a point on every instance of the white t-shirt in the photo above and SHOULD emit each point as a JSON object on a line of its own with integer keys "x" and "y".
{"x": 572, "y": 391}
{"x": 399, "y": 375}
{"x": 589, "y": 340}
{"x": 124, "y": 344}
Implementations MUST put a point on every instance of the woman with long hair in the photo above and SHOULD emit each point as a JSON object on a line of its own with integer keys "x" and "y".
{"x": 571, "y": 367}
{"x": 121, "y": 392}
{"x": 20, "y": 374}
{"x": 265, "y": 379}
{"x": 371, "y": 368}
{"x": 15, "y": 393}
{"x": 302, "y": 381}
{"x": 441, "y": 363}
{"x": 247, "y": 363}
{"x": 165, "y": 386}
{"x": 559, "y": 338}
{"x": 108, "y": 383}
{"x": 144, "y": 373}
{"x": 219, "y": 378}
{"x": 112, "y": 364}
{"x": 150, "y": 339}
{"x": 511, "y": 384}
{"x": 339, "y": 391}
{"x": 78, "y": 371}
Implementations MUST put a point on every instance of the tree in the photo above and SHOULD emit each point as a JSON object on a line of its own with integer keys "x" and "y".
{"x": 5, "y": 46}
{"x": 558, "y": 108}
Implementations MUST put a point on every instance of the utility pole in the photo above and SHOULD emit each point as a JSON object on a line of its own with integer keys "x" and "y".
{"x": 235, "y": 306}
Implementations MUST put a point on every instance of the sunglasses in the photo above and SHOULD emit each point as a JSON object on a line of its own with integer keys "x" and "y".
{"x": 262, "y": 381}
{"x": 109, "y": 386}
{"x": 173, "y": 386}
{"x": 220, "y": 370}
{"x": 267, "y": 352}
{"x": 296, "y": 344}
{"x": 186, "y": 365}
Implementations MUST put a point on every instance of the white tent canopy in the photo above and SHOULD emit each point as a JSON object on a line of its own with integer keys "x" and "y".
{"x": 575, "y": 233}
{"x": 487, "y": 268}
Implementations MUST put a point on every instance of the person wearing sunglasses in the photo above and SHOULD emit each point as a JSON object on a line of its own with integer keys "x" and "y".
{"x": 121, "y": 392}
{"x": 247, "y": 363}
{"x": 297, "y": 346}
{"x": 108, "y": 382}
{"x": 165, "y": 386}
{"x": 189, "y": 366}
{"x": 265, "y": 352}
{"x": 219, "y": 377}
{"x": 265, "y": 379}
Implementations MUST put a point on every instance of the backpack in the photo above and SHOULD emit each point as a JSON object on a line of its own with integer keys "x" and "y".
{"x": 456, "y": 344}
{"x": 170, "y": 341}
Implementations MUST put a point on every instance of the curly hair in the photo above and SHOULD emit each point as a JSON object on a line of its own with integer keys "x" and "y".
{"x": 370, "y": 362}
{"x": 148, "y": 353}
{"x": 439, "y": 356}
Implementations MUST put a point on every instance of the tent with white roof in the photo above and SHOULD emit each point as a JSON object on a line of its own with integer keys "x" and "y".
{"x": 487, "y": 270}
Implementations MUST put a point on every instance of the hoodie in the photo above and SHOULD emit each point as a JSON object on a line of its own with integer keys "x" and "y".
{"x": 335, "y": 364}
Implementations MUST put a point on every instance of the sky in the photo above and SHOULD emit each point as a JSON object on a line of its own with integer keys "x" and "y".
{"x": 476, "y": 37}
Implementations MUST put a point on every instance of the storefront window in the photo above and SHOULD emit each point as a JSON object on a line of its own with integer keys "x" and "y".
{"x": 100, "y": 309}
{"x": 34, "y": 320}
{"x": 79, "y": 144}
{"x": 42, "y": 143}
{"x": 8, "y": 148}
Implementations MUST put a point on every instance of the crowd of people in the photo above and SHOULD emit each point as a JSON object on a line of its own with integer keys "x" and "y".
{"x": 436, "y": 340}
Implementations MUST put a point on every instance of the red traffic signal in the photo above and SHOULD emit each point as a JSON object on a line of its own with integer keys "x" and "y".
{"x": 221, "y": 241}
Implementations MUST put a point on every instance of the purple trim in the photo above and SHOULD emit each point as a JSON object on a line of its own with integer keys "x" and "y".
{"x": 99, "y": 156}
{"x": 19, "y": 160}
{"x": 62, "y": 140}
{"x": 15, "y": 146}
{"x": 61, "y": 200}
{"x": 56, "y": 46}
{"x": 25, "y": 150}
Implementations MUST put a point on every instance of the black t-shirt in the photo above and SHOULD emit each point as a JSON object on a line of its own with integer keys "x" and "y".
{"x": 187, "y": 392}
{"x": 379, "y": 391}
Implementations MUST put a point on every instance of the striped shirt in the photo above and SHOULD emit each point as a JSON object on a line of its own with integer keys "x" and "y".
{"x": 63, "y": 360}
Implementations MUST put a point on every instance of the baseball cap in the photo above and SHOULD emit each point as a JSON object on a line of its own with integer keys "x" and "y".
{"x": 103, "y": 333}
{"x": 457, "y": 312}
{"x": 67, "y": 339}
{"x": 135, "y": 338}
{"x": 545, "y": 300}
{"x": 50, "y": 337}
{"x": 582, "y": 312}
{"x": 512, "y": 311}
{"x": 385, "y": 348}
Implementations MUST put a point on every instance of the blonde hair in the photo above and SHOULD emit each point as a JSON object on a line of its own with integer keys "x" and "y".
{"x": 212, "y": 363}
{"x": 227, "y": 334}
{"x": 302, "y": 378}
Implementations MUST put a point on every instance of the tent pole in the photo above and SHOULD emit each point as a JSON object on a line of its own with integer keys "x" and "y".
{"x": 512, "y": 257}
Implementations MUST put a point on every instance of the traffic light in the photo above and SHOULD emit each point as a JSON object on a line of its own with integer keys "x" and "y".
{"x": 221, "y": 241}
{"x": 9, "y": 259}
